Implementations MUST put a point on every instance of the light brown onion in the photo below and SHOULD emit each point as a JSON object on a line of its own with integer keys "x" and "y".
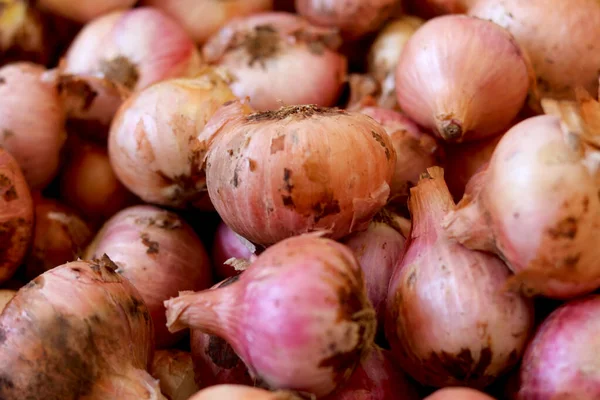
{"x": 152, "y": 142}
{"x": 159, "y": 254}
{"x": 85, "y": 10}
{"x": 562, "y": 62}
{"x": 239, "y": 392}
{"x": 276, "y": 174}
{"x": 31, "y": 121}
{"x": 22, "y": 33}
{"x": 134, "y": 48}
{"x": 458, "y": 393}
{"x": 450, "y": 320}
{"x": 462, "y": 77}
{"x": 175, "y": 372}
{"x": 279, "y": 59}
{"x": 6, "y": 295}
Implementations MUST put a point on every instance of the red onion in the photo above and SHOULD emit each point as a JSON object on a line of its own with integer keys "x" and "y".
{"x": 134, "y": 48}
{"x": 462, "y": 77}
{"x": 22, "y": 33}
{"x": 433, "y": 8}
{"x": 239, "y": 392}
{"x": 77, "y": 331}
{"x": 16, "y": 216}
{"x": 561, "y": 360}
{"x": 227, "y": 245}
{"x": 562, "y": 62}
{"x": 175, "y": 372}
{"x": 449, "y": 321}
{"x": 298, "y": 317}
{"x": 6, "y": 295}
{"x": 354, "y": 18}
{"x": 458, "y": 393}
{"x": 279, "y": 59}
{"x": 158, "y": 253}
{"x": 34, "y": 142}
{"x": 83, "y": 11}
{"x": 276, "y": 174}
{"x": 202, "y": 18}
{"x": 152, "y": 144}
{"x": 376, "y": 378}
{"x": 536, "y": 205}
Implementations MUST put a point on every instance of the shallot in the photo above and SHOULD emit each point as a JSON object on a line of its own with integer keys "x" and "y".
{"x": 298, "y": 317}
{"x": 84, "y": 10}
{"x": 458, "y": 393}
{"x": 227, "y": 245}
{"x": 279, "y": 59}
{"x": 175, "y": 372}
{"x": 158, "y": 253}
{"x": 462, "y": 77}
{"x": 239, "y": 392}
{"x": 450, "y": 320}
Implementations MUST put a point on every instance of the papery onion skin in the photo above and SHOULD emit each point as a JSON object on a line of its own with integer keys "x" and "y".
{"x": 134, "y": 48}
{"x": 16, "y": 216}
{"x": 6, "y": 296}
{"x": 83, "y": 11}
{"x": 273, "y": 175}
{"x": 276, "y": 332}
{"x": 450, "y": 321}
{"x": 158, "y": 253}
{"x": 458, "y": 393}
{"x": 175, "y": 372}
{"x": 240, "y": 392}
{"x": 227, "y": 245}
{"x": 462, "y": 77}
{"x": 561, "y": 62}
{"x": 31, "y": 122}
{"x": 277, "y": 59}
{"x": 536, "y": 205}
{"x": 87, "y": 334}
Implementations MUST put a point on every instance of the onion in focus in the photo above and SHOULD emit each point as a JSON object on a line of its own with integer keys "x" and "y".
{"x": 83, "y": 10}
{"x": 239, "y": 392}
{"x": 458, "y": 393}
{"x": 227, "y": 245}
{"x": 175, "y": 372}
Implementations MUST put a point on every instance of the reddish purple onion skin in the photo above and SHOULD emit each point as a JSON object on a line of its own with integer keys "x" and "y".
{"x": 227, "y": 245}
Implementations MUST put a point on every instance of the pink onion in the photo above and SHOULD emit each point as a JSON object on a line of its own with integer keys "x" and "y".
{"x": 279, "y": 59}
{"x": 83, "y": 11}
{"x": 562, "y": 62}
{"x": 434, "y": 8}
{"x": 561, "y": 360}
{"x": 77, "y": 331}
{"x": 152, "y": 144}
{"x": 158, "y": 253}
{"x": 134, "y": 48}
{"x": 298, "y": 317}
{"x": 458, "y": 393}
{"x": 239, "y": 392}
{"x": 227, "y": 245}
{"x": 6, "y": 295}
{"x": 536, "y": 205}
{"x": 462, "y": 77}
{"x": 31, "y": 122}
{"x": 16, "y": 216}
{"x": 175, "y": 372}
{"x": 449, "y": 320}
{"x": 276, "y": 174}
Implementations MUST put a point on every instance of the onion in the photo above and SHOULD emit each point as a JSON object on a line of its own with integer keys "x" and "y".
{"x": 16, "y": 216}
{"x": 536, "y": 205}
{"x": 385, "y": 52}
{"x": 239, "y": 392}
{"x": 458, "y": 393}
{"x": 354, "y": 18}
{"x": 449, "y": 321}
{"x": 276, "y": 174}
{"x": 227, "y": 245}
{"x": 34, "y": 142}
{"x": 22, "y": 33}
{"x": 462, "y": 77}
{"x": 158, "y": 253}
{"x": 79, "y": 330}
{"x": 298, "y": 317}
{"x": 83, "y": 11}
{"x": 134, "y": 48}
{"x": 60, "y": 236}
{"x": 376, "y": 378}
{"x": 175, "y": 371}
{"x": 433, "y": 8}
{"x": 561, "y": 360}
{"x": 279, "y": 59}
{"x": 152, "y": 144}
{"x": 6, "y": 295}
{"x": 202, "y": 18}
{"x": 562, "y": 62}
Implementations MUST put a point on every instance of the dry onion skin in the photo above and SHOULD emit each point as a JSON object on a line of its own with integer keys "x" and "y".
{"x": 276, "y": 174}
{"x": 239, "y": 392}
{"x": 85, "y": 10}
{"x": 175, "y": 372}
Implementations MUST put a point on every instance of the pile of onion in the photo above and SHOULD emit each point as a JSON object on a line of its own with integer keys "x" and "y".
{"x": 449, "y": 319}
{"x": 175, "y": 372}
{"x": 227, "y": 245}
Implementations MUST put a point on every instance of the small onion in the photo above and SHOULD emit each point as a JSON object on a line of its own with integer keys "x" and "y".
{"x": 158, "y": 253}
{"x": 449, "y": 321}
{"x": 6, "y": 295}
{"x": 134, "y": 48}
{"x": 276, "y": 174}
{"x": 175, "y": 372}
{"x": 227, "y": 245}
{"x": 458, "y": 393}
{"x": 22, "y": 33}
{"x": 462, "y": 77}
{"x": 279, "y": 59}
{"x": 269, "y": 315}
{"x": 85, "y": 10}
{"x": 239, "y": 392}
{"x": 31, "y": 121}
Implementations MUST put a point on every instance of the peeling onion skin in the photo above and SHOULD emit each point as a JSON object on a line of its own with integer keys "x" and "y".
{"x": 277, "y": 174}
{"x": 536, "y": 205}
{"x": 227, "y": 245}
{"x": 449, "y": 320}
{"x": 34, "y": 142}
{"x": 463, "y": 78}
{"x": 175, "y": 372}
{"x": 458, "y": 393}
{"x": 159, "y": 254}
{"x": 88, "y": 334}
{"x": 299, "y": 275}
{"x": 134, "y": 48}
{"x": 278, "y": 59}
{"x": 240, "y": 392}
{"x": 16, "y": 216}
{"x": 561, "y": 62}
{"x": 85, "y": 10}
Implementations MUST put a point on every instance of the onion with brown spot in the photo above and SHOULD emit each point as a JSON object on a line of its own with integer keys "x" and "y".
{"x": 175, "y": 372}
